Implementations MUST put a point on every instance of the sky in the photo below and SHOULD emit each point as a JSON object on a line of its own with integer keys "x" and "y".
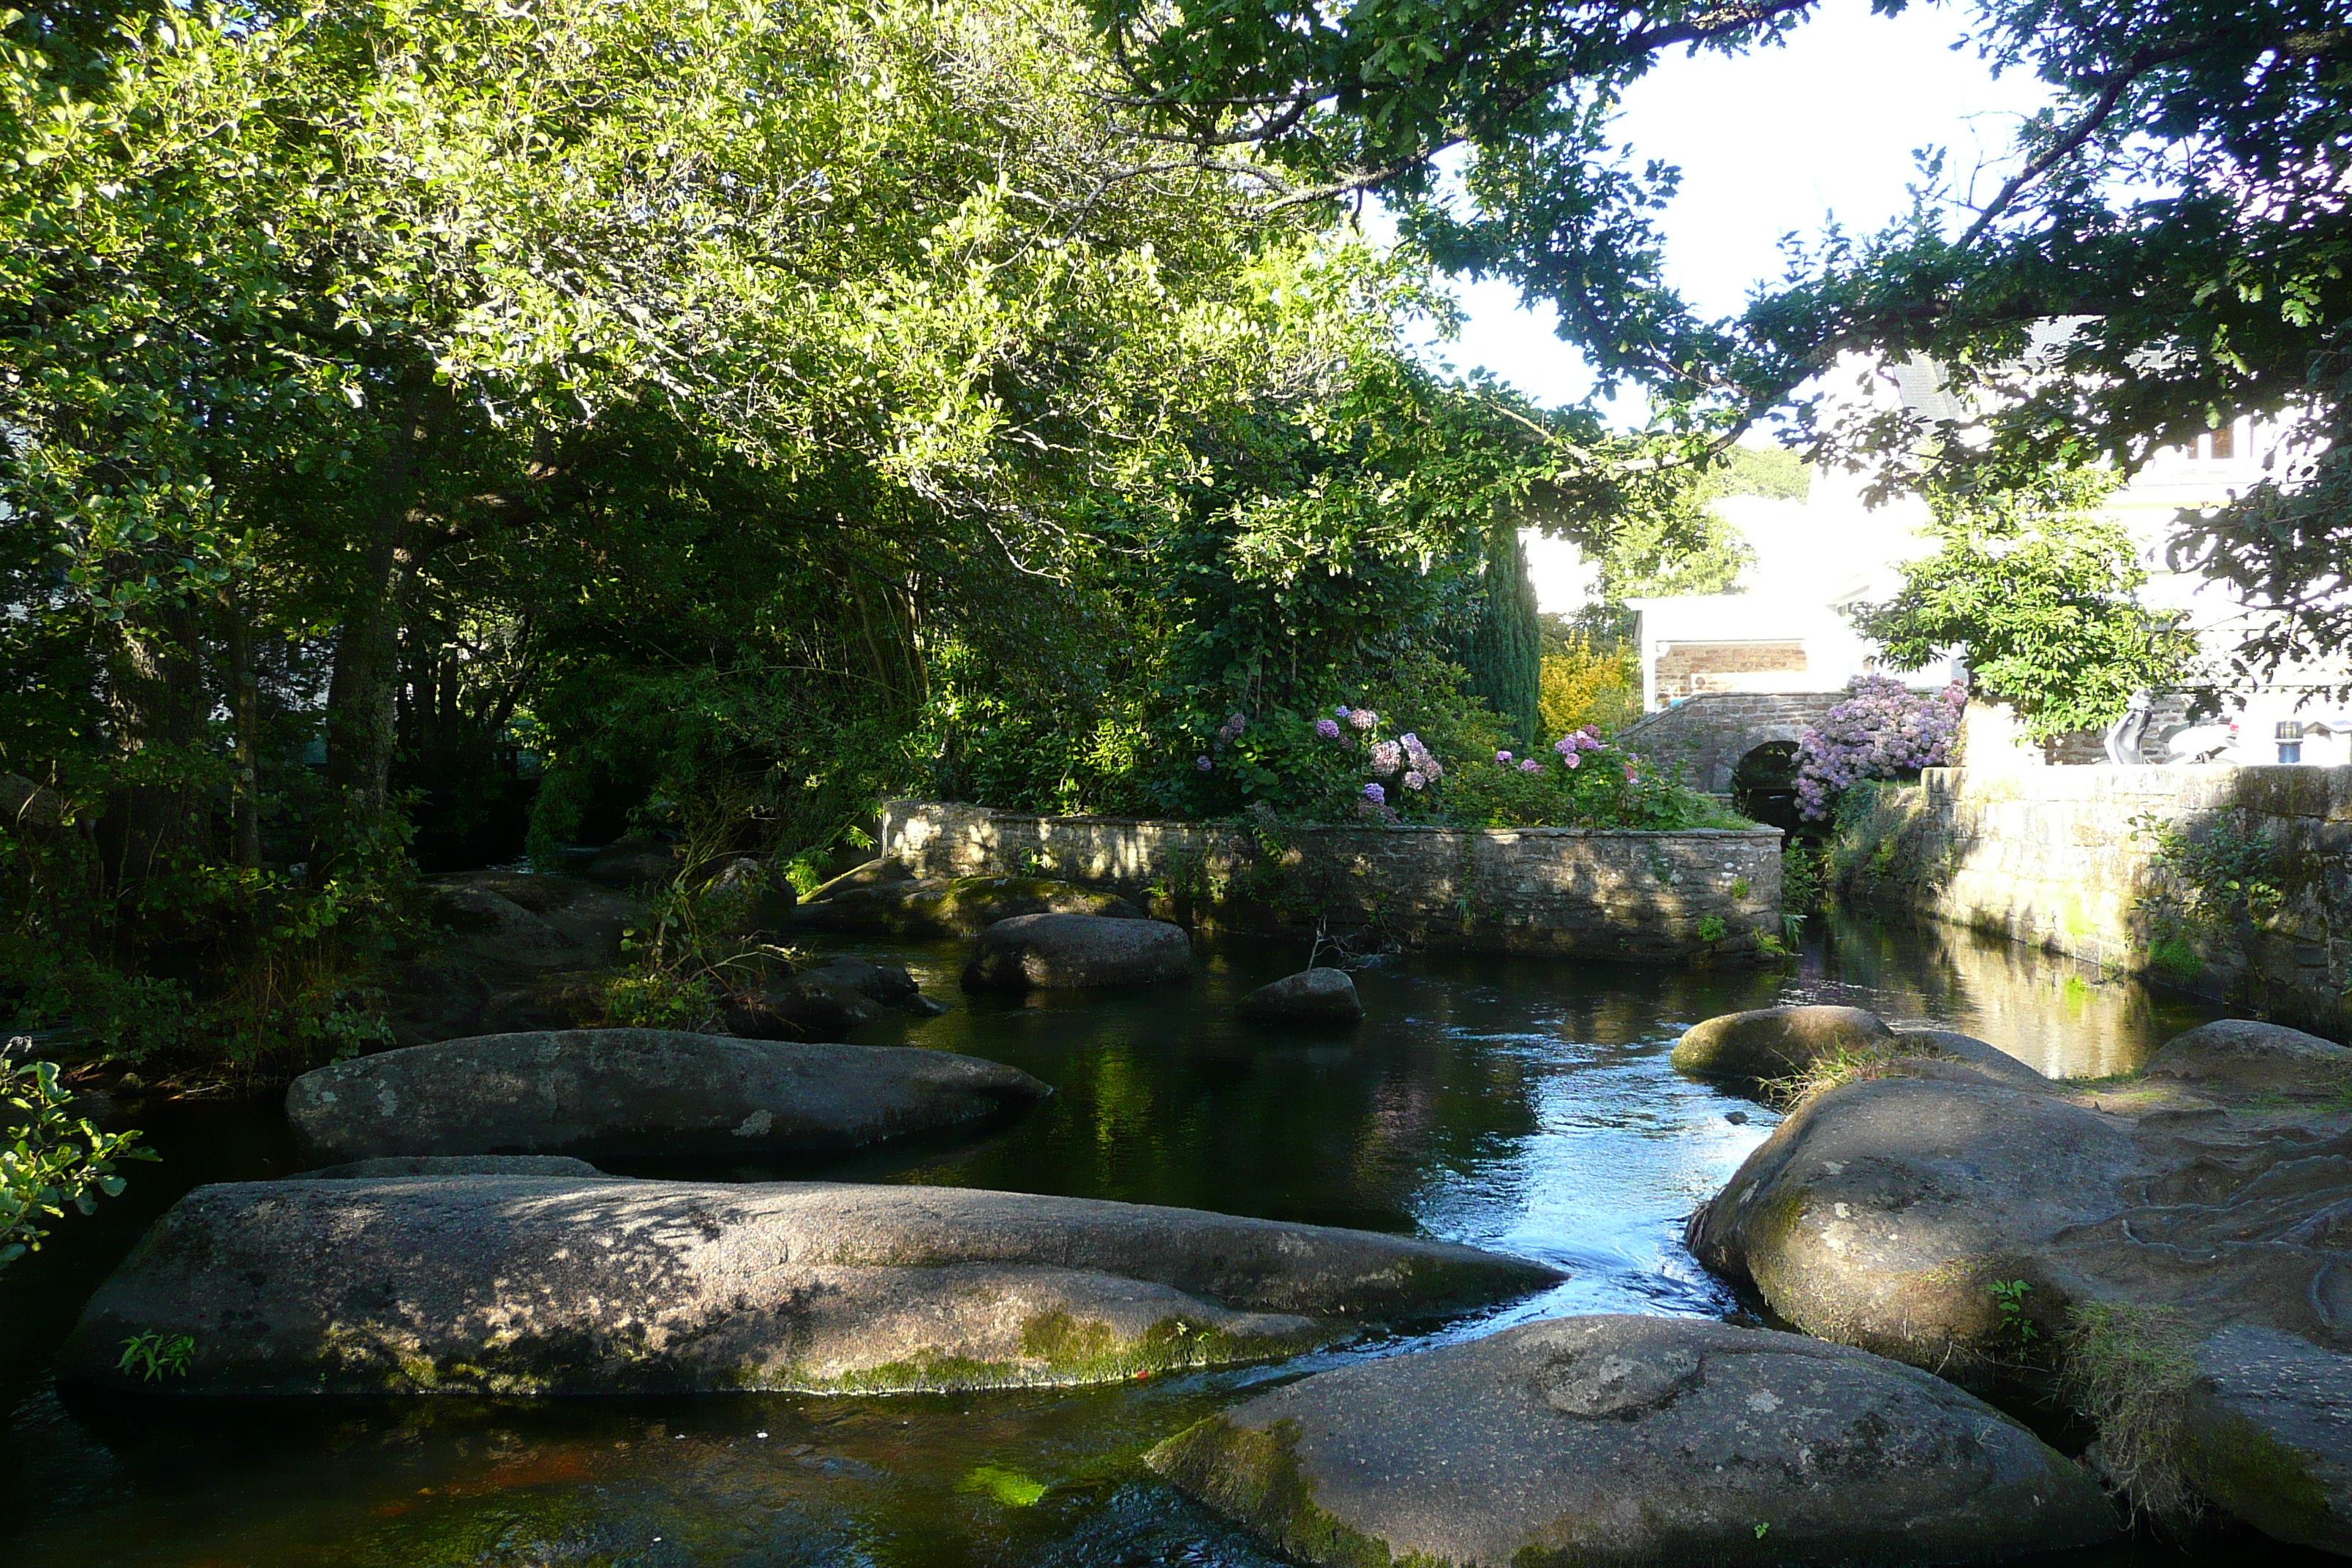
{"x": 1779, "y": 140}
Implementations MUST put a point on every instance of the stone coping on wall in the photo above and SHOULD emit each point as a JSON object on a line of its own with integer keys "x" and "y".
{"x": 1707, "y": 894}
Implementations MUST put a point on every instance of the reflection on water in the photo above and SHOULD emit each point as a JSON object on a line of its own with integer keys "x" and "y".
{"x": 1519, "y": 1104}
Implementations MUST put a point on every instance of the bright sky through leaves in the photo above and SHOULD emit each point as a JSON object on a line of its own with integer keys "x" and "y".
{"x": 1770, "y": 143}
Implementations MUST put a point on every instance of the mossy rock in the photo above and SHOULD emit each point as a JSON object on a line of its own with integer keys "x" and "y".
{"x": 1779, "y": 1042}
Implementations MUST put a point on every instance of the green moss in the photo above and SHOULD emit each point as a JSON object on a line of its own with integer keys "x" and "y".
{"x": 1254, "y": 1477}
{"x": 2260, "y": 1479}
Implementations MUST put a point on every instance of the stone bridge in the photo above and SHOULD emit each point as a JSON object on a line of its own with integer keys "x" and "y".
{"x": 1709, "y": 733}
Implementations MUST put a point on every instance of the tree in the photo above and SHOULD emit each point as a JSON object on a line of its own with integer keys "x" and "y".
{"x": 2180, "y": 209}
{"x": 2037, "y": 592}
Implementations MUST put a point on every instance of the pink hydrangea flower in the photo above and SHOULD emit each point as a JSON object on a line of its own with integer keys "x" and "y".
{"x": 1531, "y": 766}
{"x": 1504, "y": 758}
{"x": 1415, "y": 780}
{"x": 1570, "y": 758}
{"x": 1363, "y": 718}
{"x": 1386, "y": 756}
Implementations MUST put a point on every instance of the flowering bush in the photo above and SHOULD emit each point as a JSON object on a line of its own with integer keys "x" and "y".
{"x": 1882, "y": 731}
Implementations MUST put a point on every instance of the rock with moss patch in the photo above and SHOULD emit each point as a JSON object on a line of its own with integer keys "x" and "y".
{"x": 1779, "y": 1042}
{"x": 1309, "y": 997}
{"x": 1075, "y": 952}
{"x": 644, "y": 1094}
{"x": 1980, "y": 1230}
{"x": 2242, "y": 1054}
{"x": 532, "y": 1286}
{"x": 1609, "y": 1440}
{"x": 2268, "y": 1426}
{"x": 878, "y": 905}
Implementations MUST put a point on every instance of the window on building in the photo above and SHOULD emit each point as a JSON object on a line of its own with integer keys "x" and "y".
{"x": 2225, "y": 442}
{"x": 2290, "y": 743}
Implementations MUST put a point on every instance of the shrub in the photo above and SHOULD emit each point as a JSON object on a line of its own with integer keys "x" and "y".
{"x": 1883, "y": 730}
{"x": 52, "y": 1160}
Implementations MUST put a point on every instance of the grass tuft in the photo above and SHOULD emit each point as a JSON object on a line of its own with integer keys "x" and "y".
{"x": 2129, "y": 1369}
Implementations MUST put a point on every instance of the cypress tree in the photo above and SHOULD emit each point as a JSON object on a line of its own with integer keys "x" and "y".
{"x": 1504, "y": 656}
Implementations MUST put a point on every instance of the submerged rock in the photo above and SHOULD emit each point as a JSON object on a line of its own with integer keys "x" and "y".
{"x": 878, "y": 905}
{"x": 1608, "y": 1441}
{"x": 1054, "y": 951}
{"x": 643, "y": 1094}
{"x": 2240, "y": 1054}
{"x": 1779, "y": 1042}
{"x": 1309, "y": 997}
{"x": 525, "y": 1286}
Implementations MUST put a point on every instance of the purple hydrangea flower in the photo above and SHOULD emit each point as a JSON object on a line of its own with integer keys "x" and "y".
{"x": 1565, "y": 745}
{"x": 1409, "y": 741}
{"x": 1531, "y": 766}
{"x": 1341, "y": 712}
{"x": 1504, "y": 758}
{"x": 1415, "y": 780}
{"x": 1570, "y": 758}
{"x": 1386, "y": 756}
{"x": 1203, "y": 763}
{"x": 1328, "y": 728}
{"x": 1236, "y": 723}
{"x": 1376, "y": 794}
{"x": 1363, "y": 718}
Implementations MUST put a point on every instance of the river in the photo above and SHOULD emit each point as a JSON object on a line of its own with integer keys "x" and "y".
{"x": 1517, "y": 1104}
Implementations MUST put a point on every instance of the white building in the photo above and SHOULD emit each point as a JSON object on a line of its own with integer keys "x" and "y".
{"x": 1789, "y": 626}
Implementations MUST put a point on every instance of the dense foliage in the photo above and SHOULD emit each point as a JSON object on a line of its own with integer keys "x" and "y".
{"x": 2039, "y": 593}
{"x": 2166, "y": 252}
{"x": 1883, "y": 730}
{"x": 415, "y": 416}
{"x": 51, "y": 1161}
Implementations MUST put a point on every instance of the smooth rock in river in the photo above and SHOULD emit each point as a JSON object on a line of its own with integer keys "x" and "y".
{"x": 642, "y": 1093}
{"x": 949, "y": 906}
{"x": 2138, "y": 1222}
{"x": 1634, "y": 1440}
{"x": 528, "y": 1286}
{"x": 1973, "y": 1058}
{"x": 2242, "y": 1054}
{"x": 1309, "y": 997}
{"x": 827, "y": 1001}
{"x": 1055, "y": 952}
{"x": 1779, "y": 1042}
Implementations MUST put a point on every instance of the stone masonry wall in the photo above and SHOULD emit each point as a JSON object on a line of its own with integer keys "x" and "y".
{"x": 1702, "y": 895}
{"x": 1709, "y": 733}
{"x": 2056, "y": 857}
{"x": 1687, "y": 668}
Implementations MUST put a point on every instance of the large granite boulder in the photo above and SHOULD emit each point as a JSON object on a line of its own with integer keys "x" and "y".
{"x": 2158, "y": 1251}
{"x": 1634, "y": 1440}
{"x": 1057, "y": 951}
{"x": 880, "y": 905}
{"x": 826, "y": 1002}
{"x": 1779, "y": 1042}
{"x": 1309, "y": 997}
{"x": 488, "y": 924}
{"x": 634, "y": 861}
{"x": 1971, "y": 1058}
{"x": 642, "y": 1093}
{"x": 2242, "y": 1054}
{"x": 530, "y": 1286}
{"x": 450, "y": 1165}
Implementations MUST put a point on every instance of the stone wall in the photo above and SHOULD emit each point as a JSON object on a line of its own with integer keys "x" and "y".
{"x": 1708, "y": 735}
{"x": 1701, "y": 895}
{"x": 1689, "y": 668}
{"x": 2061, "y": 858}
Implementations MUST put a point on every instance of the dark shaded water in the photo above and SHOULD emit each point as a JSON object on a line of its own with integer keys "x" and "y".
{"x": 1521, "y": 1105}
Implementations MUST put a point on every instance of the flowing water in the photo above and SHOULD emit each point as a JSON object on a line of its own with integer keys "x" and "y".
{"x": 1517, "y": 1104}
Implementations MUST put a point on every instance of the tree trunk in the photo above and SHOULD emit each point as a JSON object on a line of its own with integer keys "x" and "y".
{"x": 363, "y": 690}
{"x": 245, "y": 724}
{"x": 155, "y": 693}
